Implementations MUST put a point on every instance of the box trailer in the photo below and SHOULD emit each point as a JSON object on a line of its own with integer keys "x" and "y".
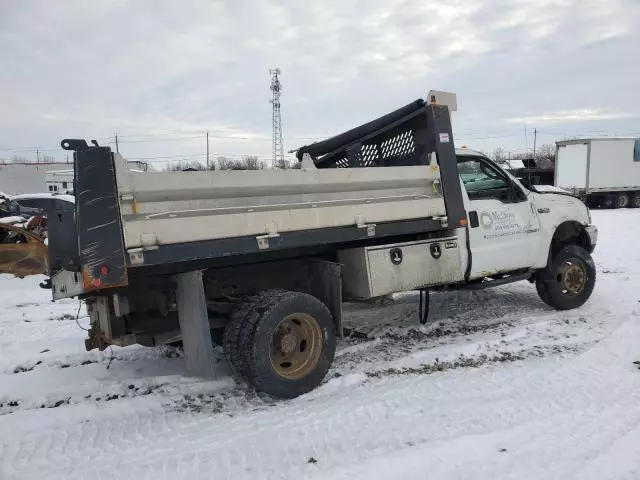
{"x": 602, "y": 171}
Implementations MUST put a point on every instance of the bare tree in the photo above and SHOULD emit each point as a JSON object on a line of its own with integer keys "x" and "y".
{"x": 500, "y": 155}
{"x": 253, "y": 163}
{"x": 546, "y": 156}
{"x": 250, "y": 162}
{"x": 282, "y": 164}
{"x": 225, "y": 163}
{"x": 247, "y": 163}
{"x": 186, "y": 165}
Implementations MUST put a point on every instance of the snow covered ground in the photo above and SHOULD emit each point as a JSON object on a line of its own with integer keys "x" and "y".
{"x": 497, "y": 386}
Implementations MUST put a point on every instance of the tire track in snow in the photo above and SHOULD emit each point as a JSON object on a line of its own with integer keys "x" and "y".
{"x": 215, "y": 440}
{"x": 370, "y": 418}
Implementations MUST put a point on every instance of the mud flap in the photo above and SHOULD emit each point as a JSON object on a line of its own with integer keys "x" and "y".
{"x": 325, "y": 284}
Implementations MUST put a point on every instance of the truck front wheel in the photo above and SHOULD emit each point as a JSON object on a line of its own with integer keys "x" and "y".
{"x": 569, "y": 280}
{"x": 281, "y": 342}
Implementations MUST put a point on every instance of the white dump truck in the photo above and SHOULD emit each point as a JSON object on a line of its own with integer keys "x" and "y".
{"x": 268, "y": 257}
{"x": 602, "y": 171}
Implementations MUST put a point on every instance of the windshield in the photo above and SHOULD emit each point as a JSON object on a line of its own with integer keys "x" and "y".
{"x": 478, "y": 176}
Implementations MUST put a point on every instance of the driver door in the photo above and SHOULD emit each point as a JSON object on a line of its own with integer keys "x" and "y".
{"x": 503, "y": 225}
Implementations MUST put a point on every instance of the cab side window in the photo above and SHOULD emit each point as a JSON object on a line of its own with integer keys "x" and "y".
{"x": 483, "y": 181}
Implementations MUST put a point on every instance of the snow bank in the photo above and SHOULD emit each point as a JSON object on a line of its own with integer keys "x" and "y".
{"x": 497, "y": 385}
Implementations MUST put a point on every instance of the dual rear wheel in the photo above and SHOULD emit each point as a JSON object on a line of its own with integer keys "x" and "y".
{"x": 281, "y": 342}
{"x": 621, "y": 200}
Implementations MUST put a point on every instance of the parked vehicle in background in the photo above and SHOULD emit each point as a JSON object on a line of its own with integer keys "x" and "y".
{"x": 25, "y": 222}
{"x": 602, "y": 171}
{"x": 40, "y": 204}
{"x": 530, "y": 173}
{"x": 60, "y": 181}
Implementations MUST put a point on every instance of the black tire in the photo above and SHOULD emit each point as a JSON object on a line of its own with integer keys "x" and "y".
{"x": 553, "y": 291}
{"x": 635, "y": 200}
{"x": 234, "y": 332}
{"x": 543, "y": 292}
{"x": 249, "y": 336}
{"x": 608, "y": 201}
{"x": 623, "y": 200}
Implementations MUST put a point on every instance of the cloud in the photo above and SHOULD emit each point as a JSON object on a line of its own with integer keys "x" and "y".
{"x": 94, "y": 69}
{"x": 565, "y": 116}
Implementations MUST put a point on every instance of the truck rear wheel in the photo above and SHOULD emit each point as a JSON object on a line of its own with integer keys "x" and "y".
{"x": 569, "y": 281}
{"x": 635, "y": 200}
{"x": 623, "y": 200}
{"x": 281, "y": 342}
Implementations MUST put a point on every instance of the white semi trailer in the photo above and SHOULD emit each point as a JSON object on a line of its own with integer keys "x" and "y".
{"x": 602, "y": 171}
{"x": 269, "y": 256}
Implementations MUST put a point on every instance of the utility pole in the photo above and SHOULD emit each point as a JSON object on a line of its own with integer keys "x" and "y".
{"x": 37, "y": 155}
{"x": 278, "y": 149}
{"x": 535, "y": 138}
{"x": 208, "y": 151}
{"x": 117, "y": 150}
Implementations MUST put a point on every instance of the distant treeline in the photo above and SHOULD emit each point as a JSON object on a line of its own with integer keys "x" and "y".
{"x": 224, "y": 163}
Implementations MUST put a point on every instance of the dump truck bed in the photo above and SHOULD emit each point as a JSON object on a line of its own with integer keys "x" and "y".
{"x": 177, "y": 207}
{"x": 393, "y": 179}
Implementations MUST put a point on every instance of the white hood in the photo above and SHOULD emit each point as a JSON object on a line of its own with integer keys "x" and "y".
{"x": 549, "y": 189}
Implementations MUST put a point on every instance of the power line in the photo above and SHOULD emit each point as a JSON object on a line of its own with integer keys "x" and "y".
{"x": 162, "y": 139}
{"x": 199, "y": 155}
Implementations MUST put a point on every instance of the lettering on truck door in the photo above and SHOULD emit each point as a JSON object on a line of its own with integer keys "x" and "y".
{"x": 503, "y": 225}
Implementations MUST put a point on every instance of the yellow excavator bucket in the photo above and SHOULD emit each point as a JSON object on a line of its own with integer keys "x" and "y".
{"x": 29, "y": 257}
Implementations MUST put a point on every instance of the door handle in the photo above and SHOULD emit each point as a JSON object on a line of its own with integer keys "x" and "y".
{"x": 473, "y": 219}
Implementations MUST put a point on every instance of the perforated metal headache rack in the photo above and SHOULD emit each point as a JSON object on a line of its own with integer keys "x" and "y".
{"x": 396, "y": 139}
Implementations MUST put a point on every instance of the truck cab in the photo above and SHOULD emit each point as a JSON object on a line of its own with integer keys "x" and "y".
{"x": 510, "y": 226}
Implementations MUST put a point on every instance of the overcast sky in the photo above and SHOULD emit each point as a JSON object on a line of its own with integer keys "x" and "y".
{"x": 161, "y": 73}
